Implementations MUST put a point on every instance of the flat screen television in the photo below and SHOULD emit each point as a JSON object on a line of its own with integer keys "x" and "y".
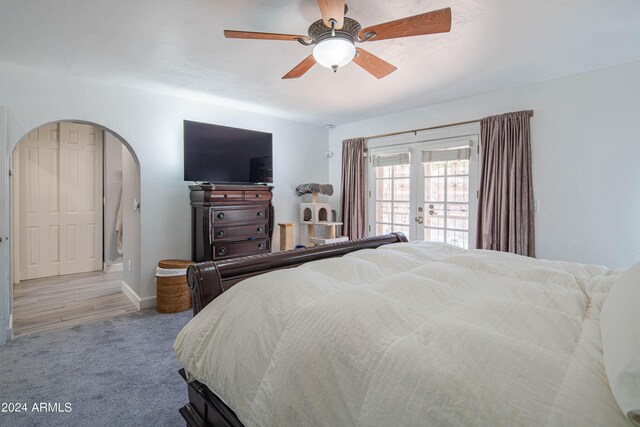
{"x": 221, "y": 154}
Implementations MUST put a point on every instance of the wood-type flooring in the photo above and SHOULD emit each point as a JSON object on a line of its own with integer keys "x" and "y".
{"x": 46, "y": 304}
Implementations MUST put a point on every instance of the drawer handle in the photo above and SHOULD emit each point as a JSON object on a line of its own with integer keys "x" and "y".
{"x": 261, "y": 214}
{"x": 221, "y": 215}
{"x": 259, "y": 229}
{"x": 226, "y": 196}
{"x": 222, "y": 251}
{"x": 260, "y": 245}
{"x": 258, "y": 195}
{"x": 221, "y": 233}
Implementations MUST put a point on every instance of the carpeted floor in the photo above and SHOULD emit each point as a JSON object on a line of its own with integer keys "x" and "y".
{"x": 116, "y": 372}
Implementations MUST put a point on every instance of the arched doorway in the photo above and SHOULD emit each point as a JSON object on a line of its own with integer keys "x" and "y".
{"x": 75, "y": 229}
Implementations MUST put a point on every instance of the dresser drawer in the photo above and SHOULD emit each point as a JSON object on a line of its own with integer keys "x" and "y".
{"x": 225, "y": 196}
{"x": 258, "y": 230}
{"x": 243, "y": 248}
{"x": 257, "y": 196}
{"x": 223, "y": 216}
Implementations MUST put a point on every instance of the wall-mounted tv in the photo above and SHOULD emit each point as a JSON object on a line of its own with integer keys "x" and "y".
{"x": 221, "y": 154}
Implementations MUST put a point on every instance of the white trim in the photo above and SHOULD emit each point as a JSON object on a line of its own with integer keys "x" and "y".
{"x": 113, "y": 267}
{"x": 6, "y": 281}
{"x": 148, "y": 302}
{"x": 135, "y": 299}
{"x": 9, "y": 328}
{"x": 140, "y": 303}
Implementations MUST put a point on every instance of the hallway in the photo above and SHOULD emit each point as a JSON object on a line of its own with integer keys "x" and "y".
{"x": 63, "y": 301}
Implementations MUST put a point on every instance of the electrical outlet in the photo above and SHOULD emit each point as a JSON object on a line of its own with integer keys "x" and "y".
{"x": 129, "y": 265}
{"x": 536, "y": 206}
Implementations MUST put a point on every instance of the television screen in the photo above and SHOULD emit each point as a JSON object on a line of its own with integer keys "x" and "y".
{"x": 221, "y": 154}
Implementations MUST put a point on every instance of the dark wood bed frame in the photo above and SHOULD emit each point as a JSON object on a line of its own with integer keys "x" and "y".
{"x": 208, "y": 280}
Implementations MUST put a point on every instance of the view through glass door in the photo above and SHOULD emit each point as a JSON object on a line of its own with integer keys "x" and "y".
{"x": 426, "y": 190}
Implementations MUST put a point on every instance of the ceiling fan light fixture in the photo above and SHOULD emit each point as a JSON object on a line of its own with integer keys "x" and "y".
{"x": 334, "y": 52}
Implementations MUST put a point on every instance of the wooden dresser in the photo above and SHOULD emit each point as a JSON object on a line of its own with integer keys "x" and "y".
{"x": 229, "y": 221}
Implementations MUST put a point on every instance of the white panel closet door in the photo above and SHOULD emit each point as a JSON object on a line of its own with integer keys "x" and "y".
{"x": 39, "y": 204}
{"x": 80, "y": 198}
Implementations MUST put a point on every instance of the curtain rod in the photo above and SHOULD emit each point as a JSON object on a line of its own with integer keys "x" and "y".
{"x": 415, "y": 131}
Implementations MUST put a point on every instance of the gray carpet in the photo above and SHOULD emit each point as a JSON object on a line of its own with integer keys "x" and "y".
{"x": 116, "y": 372}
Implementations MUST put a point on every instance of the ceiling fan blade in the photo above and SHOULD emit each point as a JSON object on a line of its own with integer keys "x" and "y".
{"x": 231, "y": 34}
{"x": 301, "y": 68}
{"x": 377, "y": 67}
{"x": 332, "y": 9}
{"x": 438, "y": 21}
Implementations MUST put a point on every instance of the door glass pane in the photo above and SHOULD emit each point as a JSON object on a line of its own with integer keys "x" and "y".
{"x": 446, "y": 197}
{"x": 401, "y": 213}
{"x": 458, "y": 238}
{"x": 434, "y": 189}
{"x": 383, "y": 229}
{"x": 383, "y": 189}
{"x": 400, "y": 171}
{"x": 458, "y": 189}
{"x": 401, "y": 189}
{"x": 458, "y": 216}
{"x": 383, "y": 211}
{"x": 434, "y": 168}
{"x": 434, "y": 215}
{"x": 392, "y": 199}
{"x": 384, "y": 171}
{"x": 434, "y": 235}
{"x": 458, "y": 167}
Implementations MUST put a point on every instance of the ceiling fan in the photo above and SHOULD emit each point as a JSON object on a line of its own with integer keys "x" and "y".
{"x": 334, "y": 38}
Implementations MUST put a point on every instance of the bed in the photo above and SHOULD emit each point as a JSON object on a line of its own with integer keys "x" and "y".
{"x": 384, "y": 332}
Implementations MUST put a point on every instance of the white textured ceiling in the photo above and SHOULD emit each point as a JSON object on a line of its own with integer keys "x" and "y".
{"x": 177, "y": 47}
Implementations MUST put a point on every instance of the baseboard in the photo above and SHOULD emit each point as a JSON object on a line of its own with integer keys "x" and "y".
{"x": 135, "y": 299}
{"x": 140, "y": 303}
{"x": 148, "y": 302}
{"x": 113, "y": 267}
{"x": 5, "y": 333}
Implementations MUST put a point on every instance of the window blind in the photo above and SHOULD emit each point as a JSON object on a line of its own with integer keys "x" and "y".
{"x": 391, "y": 159}
{"x": 446, "y": 155}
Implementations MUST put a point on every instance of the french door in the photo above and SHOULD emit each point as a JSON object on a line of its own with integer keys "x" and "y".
{"x": 427, "y": 190}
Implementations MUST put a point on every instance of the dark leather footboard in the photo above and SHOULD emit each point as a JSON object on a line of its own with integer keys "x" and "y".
{"x": 209, "y": 279}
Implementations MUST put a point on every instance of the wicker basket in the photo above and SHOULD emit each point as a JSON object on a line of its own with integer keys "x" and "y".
{"x": 172, "y": 293}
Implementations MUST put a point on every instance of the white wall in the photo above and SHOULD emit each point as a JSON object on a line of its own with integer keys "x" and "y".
{"x": 152, "y": 125}
{"x": 112, "y": 194}
{"x": 131, "y": 225}
{"x": 585, "y": 148}
{"x": 5, "y": 279}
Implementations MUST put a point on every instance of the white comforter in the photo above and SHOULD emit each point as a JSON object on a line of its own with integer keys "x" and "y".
{"x": 417, "y": 334}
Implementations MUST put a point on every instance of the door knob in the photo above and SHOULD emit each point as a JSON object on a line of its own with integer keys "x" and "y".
{"x": 419, "y": 219}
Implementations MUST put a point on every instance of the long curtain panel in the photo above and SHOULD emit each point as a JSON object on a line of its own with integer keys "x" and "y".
{"x": 353, "y": 187}
{"x": 505, "y": 205}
